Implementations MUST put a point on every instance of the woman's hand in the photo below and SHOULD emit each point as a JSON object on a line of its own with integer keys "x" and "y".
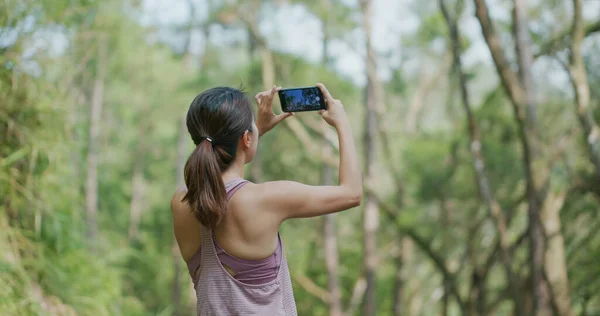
{"x": 335, "y": 113}
{"x": 266, "y": 119}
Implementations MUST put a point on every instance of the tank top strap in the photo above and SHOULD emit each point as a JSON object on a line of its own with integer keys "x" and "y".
{"x": 206, "y": 248}
{"x": 234, "y": 185}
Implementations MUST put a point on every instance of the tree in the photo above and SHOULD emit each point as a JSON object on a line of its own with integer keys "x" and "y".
{"x": 591, "y": 131}
{"x": 455, "y": 166}
{"x": 329, "y": 226}
{"x": 483, "y": 183}
{"x": 97, "y": 99}
{"x": 371, "y": 213}
{"x": 519, "y": 88}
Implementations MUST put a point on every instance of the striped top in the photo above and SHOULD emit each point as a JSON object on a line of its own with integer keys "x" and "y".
{"x": 219, "y": 293}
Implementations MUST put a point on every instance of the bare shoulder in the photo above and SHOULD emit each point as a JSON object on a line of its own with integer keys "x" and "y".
{"x": 187, "y": 228}
{"x": 269, "y": 188}
{"x": 177, "y": 204}
{"x": 274, "y": 188}
{"x": 181, "y": 210}
{"x": 271, "y": 192}
{"x": 253, "y": 205}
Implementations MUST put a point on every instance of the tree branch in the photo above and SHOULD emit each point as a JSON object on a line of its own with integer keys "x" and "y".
{"x": 425, "y": 86}
{"x": 483, "y": 183}
{"x": 309, "y": 143}
{"x": 491, "y": 307}
{"x": 311, "y": 288}
{"x": 358, "y": 292}
{"x": 324, "y": 131}
{"x": 510, "y": 80}
{"x": 425, "y": 246}
{"x": 562, "y": 39}
{"x": 295, "y": 126}
{"x": 581, "y": 88}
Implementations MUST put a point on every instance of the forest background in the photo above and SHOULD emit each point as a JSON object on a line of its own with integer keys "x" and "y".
{"x": 476, "y": 122}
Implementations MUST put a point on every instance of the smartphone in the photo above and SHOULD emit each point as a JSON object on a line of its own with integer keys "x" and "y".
{"x": 302, "y": 99}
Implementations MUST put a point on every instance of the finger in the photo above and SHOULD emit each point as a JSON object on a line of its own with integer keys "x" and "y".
{"x": 282, "y": 117}
{"x": 325, "y": 92}
{"x": 321, "y": 112}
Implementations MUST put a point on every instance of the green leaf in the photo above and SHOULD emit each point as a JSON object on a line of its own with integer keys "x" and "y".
{"x": 14, "y": 157}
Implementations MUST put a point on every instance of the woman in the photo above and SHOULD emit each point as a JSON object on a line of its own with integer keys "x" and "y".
{"x": 227, "y": 228}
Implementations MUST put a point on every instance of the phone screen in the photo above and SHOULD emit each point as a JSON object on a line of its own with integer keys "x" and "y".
{"x": 302, "y": 99}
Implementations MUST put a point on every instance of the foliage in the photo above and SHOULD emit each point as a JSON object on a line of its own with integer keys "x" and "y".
{"x": 49, "y": 57}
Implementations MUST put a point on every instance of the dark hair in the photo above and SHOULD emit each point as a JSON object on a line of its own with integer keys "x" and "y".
{"x": 216, "y": 120}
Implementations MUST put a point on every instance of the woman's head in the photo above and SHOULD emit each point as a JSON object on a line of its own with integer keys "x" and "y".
{"x": 221, "y": 123}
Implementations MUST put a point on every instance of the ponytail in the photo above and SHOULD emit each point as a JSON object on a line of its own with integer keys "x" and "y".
{"x": 216, "y": 120}
{"x": 206, "y": 193}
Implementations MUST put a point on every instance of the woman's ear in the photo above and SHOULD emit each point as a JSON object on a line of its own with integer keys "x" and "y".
{"x": 247, "y": 139}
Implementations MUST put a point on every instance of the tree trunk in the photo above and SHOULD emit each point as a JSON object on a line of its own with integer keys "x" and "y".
{"x": 398, "y": 281}
{"x": 525, "y": 60}
{"x": 403, "y": 255}
{"x": 187, "y": 55}
{"x": 477, "y": 293}
{"x": 75, "y": 138}
{"x": 325, "y": 21}
{"x": 329, "y": 231}
{"x": 268, "y": 80}
{"x": 371, "y": 212}
{"x": 400, "y": 304}
{"x": 325, "y": 45}
{"x": 444, "y": 223}
{"x": 426, "y": 84}
{"x": 268, "y": 67}
{"x": 137, "y": 198}
{"x": 445, "y": 298}
{"x": 582, "y": 89}
{"x": 483, "y": 184}
{"x": 541, "y": 293}
{"x": 555, "y": 268}
{"x": 204, "y": 56}
{"x": 181, "y": 159}
{"x": 330, "y": 243}
{"x": 520, "y": 91}
{"x": 206, "y": 32}
{"x": 331, "y": 258}
{"x": 97, "y": 101}
{"x": 256, "y": 42}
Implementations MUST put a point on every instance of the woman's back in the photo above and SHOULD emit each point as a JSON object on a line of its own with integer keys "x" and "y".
{"x": 227, "y": 228}
{"x": 221, "y": 292}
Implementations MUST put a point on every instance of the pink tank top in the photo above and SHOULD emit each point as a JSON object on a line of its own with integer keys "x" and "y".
{"x": 260, "y": 287}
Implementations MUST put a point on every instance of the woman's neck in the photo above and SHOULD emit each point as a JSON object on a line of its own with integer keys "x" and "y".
{"x": 235, "y": 171}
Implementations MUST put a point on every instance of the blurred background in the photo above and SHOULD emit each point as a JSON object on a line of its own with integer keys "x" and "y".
{"x": 476, "y": 122}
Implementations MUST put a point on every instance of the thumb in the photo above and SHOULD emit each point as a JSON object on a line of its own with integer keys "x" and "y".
{"x": 282, "y": 117}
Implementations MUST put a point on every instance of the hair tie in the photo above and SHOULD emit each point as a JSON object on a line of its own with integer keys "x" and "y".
{"x": 207, "y": 138}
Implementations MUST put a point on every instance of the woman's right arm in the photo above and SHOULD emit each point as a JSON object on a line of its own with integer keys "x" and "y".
{"x": 290, "y": 199}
